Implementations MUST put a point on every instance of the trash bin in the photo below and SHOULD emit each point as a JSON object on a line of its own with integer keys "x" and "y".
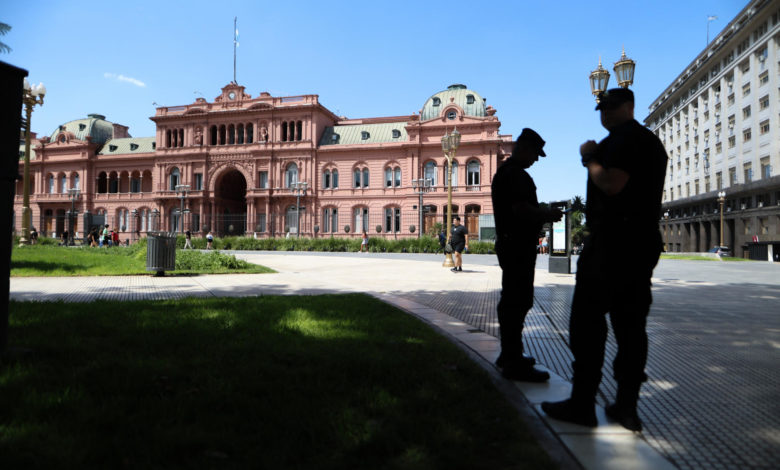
{"x": 161, "y": 252}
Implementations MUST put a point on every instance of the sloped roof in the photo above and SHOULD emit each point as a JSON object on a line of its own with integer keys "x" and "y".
{"x": 21, "y": 151}
{"x": 460, "y": 94}
{"x": 95, "y": 126}
{"x": 353, "y": 134}
{"x": 128, "y": 145}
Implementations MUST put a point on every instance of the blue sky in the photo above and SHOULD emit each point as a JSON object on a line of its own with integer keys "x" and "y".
{"x": 530, "y": 59}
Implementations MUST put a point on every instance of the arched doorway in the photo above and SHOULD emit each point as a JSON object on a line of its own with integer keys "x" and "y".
{"x": 230, "y": 203}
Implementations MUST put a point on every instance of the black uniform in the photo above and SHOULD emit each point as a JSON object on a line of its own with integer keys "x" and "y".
{"x": 617, "y": 261}
{"x": 516, "y": 242}
{"x": 458, "y": 238}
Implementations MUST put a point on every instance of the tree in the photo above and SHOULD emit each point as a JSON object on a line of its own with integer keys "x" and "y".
{"x": 578, "y": 230}
{"x": 578, "y": 204}
{"x": 4, "y": 28}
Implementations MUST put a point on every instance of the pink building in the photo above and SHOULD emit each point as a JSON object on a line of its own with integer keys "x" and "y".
{"x": 241, "y": 157}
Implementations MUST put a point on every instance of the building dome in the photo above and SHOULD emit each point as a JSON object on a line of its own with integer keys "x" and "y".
{"x": 94, "y": 126}
{"x": 468, "y": 100}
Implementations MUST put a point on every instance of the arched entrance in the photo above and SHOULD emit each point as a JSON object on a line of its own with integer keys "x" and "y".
{"x": 230, "y": 200}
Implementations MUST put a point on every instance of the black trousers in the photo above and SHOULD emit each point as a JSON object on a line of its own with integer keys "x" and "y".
{"x": 611, "y": 280}
{"x": 517, "y": 297}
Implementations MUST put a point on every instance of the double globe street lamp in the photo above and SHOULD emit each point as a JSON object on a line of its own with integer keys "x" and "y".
{"x": 299, "y": 189}
{"x": 722, "y": 201}
{"x": 32, "y": 95}
{"x": 73, "y": 194}
{"x": 624, "y": 70}
{"x": 449, "y": 144}
{"x": 421, "y": 186}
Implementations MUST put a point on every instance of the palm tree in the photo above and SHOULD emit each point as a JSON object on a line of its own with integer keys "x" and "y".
{"x": 4, "y": 28}
{"x": 577, "y": 203}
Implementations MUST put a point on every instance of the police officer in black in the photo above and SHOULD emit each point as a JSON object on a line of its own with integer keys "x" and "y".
{"x": 518, "y": 222}
{"x": 625, "y": 181}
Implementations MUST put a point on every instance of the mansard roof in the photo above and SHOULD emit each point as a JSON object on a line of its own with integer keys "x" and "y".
{"x": 94, "y": 126}
{"x": 128, "y": 145}
{"x": 469, "y": 101}
{"x": 354, "y": 134}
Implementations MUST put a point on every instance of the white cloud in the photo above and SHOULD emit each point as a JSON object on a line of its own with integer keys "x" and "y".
{"x": 122, "y": 78}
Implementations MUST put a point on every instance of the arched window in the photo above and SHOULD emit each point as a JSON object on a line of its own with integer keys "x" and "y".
{"x": 113, "y": 183}
{"x": 284, "y": 131}
{"x": 472, "y": 173}
{"x": 250, "y": 129}
{"x": 231, "y": 134}
{"x": 213, "y": 135}
{"x": 430, "y": 173}
{"x": 388, "y": 177}
{"x": 299, "y": 129}
{"x": 63, "y": 184}
{"x": 356, "y": 178}
{"x": 102, "y": 182}
{"x": 330, "y": 220}
{"x": 392, "y": 219}
{"x": 365, "y": 177}
{"x": 222, "y": 132}
{"x": 76, "y": 182}
{"x": 361, "y": 219}
{"x": 326, "y": 179}
{"x": 174, "y": 179}
{"x": 454, "y": 173}
{"x": 240, "y": 133}
{"x": 181, "y": 137}
{"x": 397, "y": 176}
{"x": 291, "y": 175}
{"x": 334, "y": 179}
{"x": 168, "y": 138}
{"x": 51, "y": 184}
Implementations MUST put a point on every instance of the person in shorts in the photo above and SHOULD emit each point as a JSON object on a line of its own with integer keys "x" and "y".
{"x": 459, "y": 240}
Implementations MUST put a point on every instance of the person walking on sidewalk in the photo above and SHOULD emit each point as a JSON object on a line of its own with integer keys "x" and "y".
{"x": 626, "y": 174}
{"x": 188, "y": 240}
{"x": 459, "y": 240}
{"x": 518, "y": 222}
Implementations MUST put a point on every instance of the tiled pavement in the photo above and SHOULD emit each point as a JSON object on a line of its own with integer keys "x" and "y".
{"x": 711, "y": 401}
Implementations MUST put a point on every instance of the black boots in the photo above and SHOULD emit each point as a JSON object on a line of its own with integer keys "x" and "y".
{"x": 522, "y": 370}
{"x": 624, "y": 409}
{"x": 571, "y": 411}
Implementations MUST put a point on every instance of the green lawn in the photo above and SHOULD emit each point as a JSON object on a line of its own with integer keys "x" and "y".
{"x": 52, "y": 260}
{"x": 700, "y": 258}
{"x": 312, "y": 382}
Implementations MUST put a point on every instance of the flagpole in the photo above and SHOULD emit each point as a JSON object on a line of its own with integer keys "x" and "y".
{"x": 710, "y": 18}
{"x": 235, "y": 39}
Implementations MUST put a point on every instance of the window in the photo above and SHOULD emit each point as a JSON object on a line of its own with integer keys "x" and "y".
{"x": 732, "y": 176}
{"x": 732, "y": 142}
{"x": 763, "y": 79}
{"x": 51, "y": 184}
{"x": 719, "y": 180}
{"x": 388, "y": 177}
{"x": 746, "y": 112}
{"x": 430, "y": 173}
{"x": 330, "y": 220}
{"x": 133, "y": 146}
{"x": 766, "y": 169}
{"x": 334, "y": 179}
{"x": 731, "y": 100}
{"x": 764, "y": 127}
{"x": 174, "y": 179}
{"x": 356, "y": 175}
{"x": 326, "y": 179}
{"x": 397, "y": 177}
{"x": 261, "y": 223}
{"x": 396, "y": 133}
{"x": 451, "y": 115}
{"x": 263, "y": 180}
{"x": 64, "y": 184}
{"x": 361, "y": 219}
{"x": 436, "y": 101}
{"x": 198, "y": 181}
{"x": 365, "y": 177}
{"x": 718, "y": 147}
{"x": 747, "y": 170}
{"x": 364, "y": 135}
{"x": 472, "y": 173}
{"x": 454, "y": 173}
{"x": 746, "y": 89}
{"x": 763, "y": 102}
{"x": 290, "y": 175}
{"x": 745, "y": 66}
{"x": 747, "y": 134}
{"x": 76, "y": 181}
{"x": 135, "y": 185}
{"x": 469, "y": 99}
{"x": 334, "y": 139}
{"x": 392, "y": 219}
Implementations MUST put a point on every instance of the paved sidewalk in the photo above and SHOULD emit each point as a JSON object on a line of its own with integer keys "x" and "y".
{"x": 711, "y": 400}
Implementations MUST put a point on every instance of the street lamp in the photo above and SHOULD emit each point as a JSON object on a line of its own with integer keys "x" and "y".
{"x": 449, "y": 144}
{"x": 181, "y": 193}
{"x": 299, "y": 189}
{"x": 722, "y": 201}
{"x": 421, "y": 186}
{"x": 73, "y": 194}
{"x": 624, "y": 71}
{"x": 666, "y": 231}
{"x": 33, "y": 94}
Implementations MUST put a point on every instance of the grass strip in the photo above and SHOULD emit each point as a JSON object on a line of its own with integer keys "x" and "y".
{"x": 312, "y": 382}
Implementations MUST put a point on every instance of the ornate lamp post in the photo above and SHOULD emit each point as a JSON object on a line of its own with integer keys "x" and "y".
{"x": 73, "y": 194}
{"x": 722, "y": 201}
{"x": 299, "y": 189}
{"x": 421, "y": 186}
{"x": 181, "y": 193}
{"x": 449, "y": 144}
{"x": 33, "y": 94}
{"x": 624, "y": 70}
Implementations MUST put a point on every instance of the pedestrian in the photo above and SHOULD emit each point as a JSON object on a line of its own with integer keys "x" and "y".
{"x": 442, "y": 239}
{"x": 209, "y": 241}
{"x": 459, "y": 240}
{"x": 188, "y": 240}
{"x": 105, "y": 239}
{"x": 64, "y": 238}
{"x": 519, "y": 218}
{"x": 364, "y": 242}
{"x": 545, "y": 244}
{"x": 626, "y": 174}
{"x": 114, "y": 238}
{"x": 33, "y": 236}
